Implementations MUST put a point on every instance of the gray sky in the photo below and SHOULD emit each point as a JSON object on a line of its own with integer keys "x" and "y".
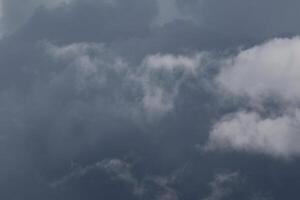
{"x": 149, "y": 100}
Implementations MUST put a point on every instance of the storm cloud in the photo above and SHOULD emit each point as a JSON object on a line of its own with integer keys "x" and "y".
{"x": 150, "y": 100}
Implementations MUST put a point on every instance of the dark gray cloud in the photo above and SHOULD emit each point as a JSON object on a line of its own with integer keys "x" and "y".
{"x": 92, "y": 21}
{"x": 249, "y": 19}
{"x": 111, "y": 99}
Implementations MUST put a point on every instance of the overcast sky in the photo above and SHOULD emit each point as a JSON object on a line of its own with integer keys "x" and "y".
{"x": 149, "y": 99}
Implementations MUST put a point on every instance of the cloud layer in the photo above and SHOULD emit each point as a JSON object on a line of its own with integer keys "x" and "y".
{"x": 114, "y": 99}
{"x": 264, "y": 73}
{"x": 268, "y": 70}
{"x": 248, "y": 132}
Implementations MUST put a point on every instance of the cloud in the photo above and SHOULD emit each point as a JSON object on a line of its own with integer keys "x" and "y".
{"x": 71, "y": 97}
{"x": 165, "y": 192}
{"x": 161, "y": 77}
{"x": 171, "y": 62}
{"x": 119, "y": 170}
{"x": 86, "y": 80}
{"x": 116, "y": 168}
{"x": 233, "y": 185}
{"x": 168, "y": 12}
{"x": 223, "y": 185}
{"x": 51, "y": 19}
{"x": 267, "y": 70}
{"x": 254, "y": 20}
{"x": 248, "y": 132}
{"x": 15, "y": 13}
{"x": 259, "y": 74}
{"x": 157, "y": 79}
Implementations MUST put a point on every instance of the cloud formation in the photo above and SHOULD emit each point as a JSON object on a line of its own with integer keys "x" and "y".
{"x": 255, "y": 20}
{"x": 223, "y": 185}
{"x": 15, "y": 13}
{"x": 248, "y": 132}
{"x": 267, "y": 70}
{"x": 260, "y": 74}
{"x": 83, "y": 82}
{"x": 160, "y": 93}
{"x": 118, "y": 170}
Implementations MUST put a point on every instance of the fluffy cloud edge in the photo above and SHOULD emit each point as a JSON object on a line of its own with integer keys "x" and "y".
{"x": 249, "y": 132}
{"x": 267, "y": 71}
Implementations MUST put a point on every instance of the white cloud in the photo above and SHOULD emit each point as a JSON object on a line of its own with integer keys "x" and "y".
{"x": 169, "y": 62}
{"x": 248, "y": 132}
{"x": 271, "y": 69}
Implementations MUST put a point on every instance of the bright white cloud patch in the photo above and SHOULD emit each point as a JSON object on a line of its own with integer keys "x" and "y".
{"x": 279, "y": 137}
{"x": 271, "y": 70}
{"x": 171, "y": 62}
